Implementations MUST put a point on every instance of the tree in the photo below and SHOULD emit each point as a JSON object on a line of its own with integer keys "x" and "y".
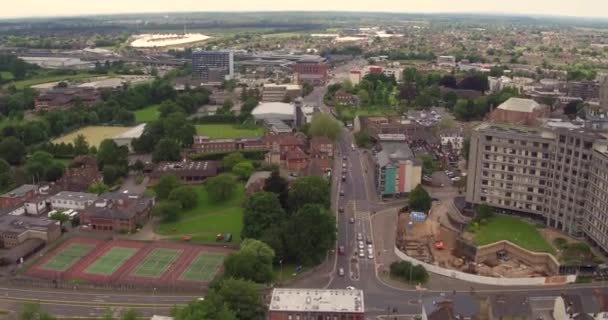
{"x": 419, "y": 199}
{"x": 309, "y": 190}
{"x": 232, "y": 159}
{"x": 212, "y": 308}
{"x": 573, "y": 108}
{"x": 226, "y": 107}
{"x": 6, "y": 174}
{"x": 429, "y": 166}
{"x": 81, "y": 146}
{"x": 307, "y": 89}
{"x": 279, "y": 186}
{"x": 248, "y": 105}
{"x": 111, "y": 174}
{"x": 167, "y": 150}
{"x": 323, "y": 125}
{"x": 168, "y": 211}
{"x": 165, "y": 185}
{"x": 243, "y": 297}
{"x": 483, "y": 212}
{"x": 32, "y": 311}
{"x": 12, "y": 150}
{"x": 221, "y": 187}
{"x": 363, "y": 96}
{"x": 261, "y": 211}
{"x": 243, "y": 170}
{"x": 404, "y": 270}
{"x": 110, "y": 153}
{"x": 60, "y": 216}
{"x": 363, "y": 139}
{"x": 38, "y": 163}
{"x": 186, "y": 196}
{"x": 252, "y": 262}
{"x": 309, "y": 234}
{"x": 54, "y": 171}
{"x": 99, "y": 188}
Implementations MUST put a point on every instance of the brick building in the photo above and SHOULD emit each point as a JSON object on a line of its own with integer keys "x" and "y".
{"x": 518, "y": 111}
{"x": 203, "y": 144}
{"x": 117, "y": 212}
{"x": 15, "y": 230}
{"x": 294, "y": 304}
{"x": 321, "y": 147}
{"x": 61, "y": 98}
{"x": 189, "y": 172}
{"x": 343, "y": 97}
{"x": 315, "y": 73}
{"x": 18, "y": 196}
{"x": 82, "y": 173}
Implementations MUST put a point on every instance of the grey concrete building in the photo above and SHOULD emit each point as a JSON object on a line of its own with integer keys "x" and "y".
{"x": 212, "y": 66}
{"x": 549, "y": 173}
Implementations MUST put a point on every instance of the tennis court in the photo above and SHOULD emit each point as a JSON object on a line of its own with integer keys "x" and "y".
{"x": 204, "y": 268}
{"x": 110, "y": 261}
{"x": 156, "y": 263}
{"x": 67, "y": 257}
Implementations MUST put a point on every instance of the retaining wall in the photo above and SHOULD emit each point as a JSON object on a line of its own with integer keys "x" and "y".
{"x": 546, "y": 260}
{"x": 481, "y": 279}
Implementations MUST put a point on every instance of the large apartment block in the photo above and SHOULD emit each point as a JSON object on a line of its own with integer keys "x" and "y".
{"x": 553, "y": 173}
{"x": 213, "y": 66}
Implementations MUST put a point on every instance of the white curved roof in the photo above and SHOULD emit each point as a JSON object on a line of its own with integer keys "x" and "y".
{"x": 278, "y": 109}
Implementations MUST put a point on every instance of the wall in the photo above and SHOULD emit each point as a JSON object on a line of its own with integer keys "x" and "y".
{"x": 488, "y": 252}
{"x": 475, "y": 278}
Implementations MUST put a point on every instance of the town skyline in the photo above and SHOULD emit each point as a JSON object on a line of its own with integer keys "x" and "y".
{"x": 33, "y": 8}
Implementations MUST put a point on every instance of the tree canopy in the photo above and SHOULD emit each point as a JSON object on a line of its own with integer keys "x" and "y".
{"x": 221, "y": 187}
{"x": 309, "y": 234}
{"x": 420, "y": 200}
{"x": 309, "y": 190}
{"x": 252, "y": 262}
{"x": 261, "y": 211}
{"x": 323, "y": 125}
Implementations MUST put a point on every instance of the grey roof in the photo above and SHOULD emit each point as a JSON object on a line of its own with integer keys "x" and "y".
{"x": 118, "y": 205}
{"x": 76, "y": 196}
{"x": 463, "y": 305}
{"x": 382, "y": 159}
{"x": 519, "y": 105}
{"x": 18, "y": 224}
{"x": 397, "y": 151}
{"x": 20, "y": 191}
{"x": 257, "y": 176}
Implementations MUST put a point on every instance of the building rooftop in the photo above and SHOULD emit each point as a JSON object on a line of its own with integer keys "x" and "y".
{"x": 278, "y": 108}
{"x": 18, "y": 224}
{"x": 118, "y": 205}
{"x": 20, "y": 191}
{"x": 69, "y": 195}
{"x": 397, "y": 150}
{"x": 317, "y": 300}
{"x": 519, "y": 105}
{"x": 187, "y": 166}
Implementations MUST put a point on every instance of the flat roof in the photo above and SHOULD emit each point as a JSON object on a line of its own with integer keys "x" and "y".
{"x": 317, "y": 300}
{"x": 19, "y": 191}
{"x": 279, "y": 108}
{"x": 69, "y": 195}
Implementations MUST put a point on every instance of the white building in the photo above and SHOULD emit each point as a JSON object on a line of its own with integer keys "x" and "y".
{"x": 126, "y": 138}
{"x": 66, "y": 200}
{"x": 455, "y": 138}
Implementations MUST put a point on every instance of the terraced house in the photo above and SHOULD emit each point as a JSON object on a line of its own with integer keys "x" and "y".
{"x": 555, "y": 173}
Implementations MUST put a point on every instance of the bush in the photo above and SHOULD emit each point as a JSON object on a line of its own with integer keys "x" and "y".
{"x": 560, "y": 242}
{"x": 404, "y": 270}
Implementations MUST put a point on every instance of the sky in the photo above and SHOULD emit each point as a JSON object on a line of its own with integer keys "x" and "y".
{"x": 36, "y": 8}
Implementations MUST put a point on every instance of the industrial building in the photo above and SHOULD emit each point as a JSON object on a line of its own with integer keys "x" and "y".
{"x": 212, "y": 66}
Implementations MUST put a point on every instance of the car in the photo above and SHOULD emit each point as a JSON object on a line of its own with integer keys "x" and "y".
{"x": 341, "y": 209}
{"x": 343, "y": 177}
{"x": 359, "y": 236}
{"x": 341, "y": 192}
{"x": 361, "y": 245}
{"x": 341, "y": 250}
{"x": 351, "y": 220}
{"x": 343, "y": 164}
{"x": 456, "y": 179}
{"x": 361, "y": 254}
{"x": 370, "y": 247}
{"x": 344, "y": 158}
{"x": 341, "y": 272}
{"x": 368, "y": 240}
{"x": 350, "y": 288}
{"x": 370, "y": 256}
{"x": 370, "y": 251}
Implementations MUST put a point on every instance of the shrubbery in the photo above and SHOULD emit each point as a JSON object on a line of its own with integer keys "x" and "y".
{"x": 404, "y": 270}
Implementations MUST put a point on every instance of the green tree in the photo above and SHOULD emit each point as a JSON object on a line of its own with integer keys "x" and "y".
{"x": 165, "y": 185}
{"x": 243, "y": 297}
{"x": 323, "y": 125}
{"x": 429, "y": 165}
{"x": 309, "y": 190}
{"x": 167, "y": 150}
{"x": 226, "y": 107}
{"x": 483, "y": 212}
{"x": 110, "y": 153}
{"x": 168, "y": 211}
{"x": 38, "y": 163}
{"x": 99, "y": 188}
{"x": 6, "y": 175}
{"x": 232, "y": 159}
{"x": 12, "y": 150}
{"x": 243, "y": 169}
{"x": 32, "y": 311}
{"x": 186, "y": 196}
{"x": 60, "y": 216}
{"x": 363, "y": 96}
{"x": 363, "y": 139}
{"x": 111, "y": 174}
{"x": 54, "y": 171}
{"x": 252, "y": 262}
{"x": 221, "y": 187}
{"x": 309, "y": 234}
{"x": 212, "y": 308}
{"x": 420, "y": 200}
{"x": 261, "y": 211}
{"x": 248, "y": 106}
{"x": 81, "y": 146}
{"x": 279, "y": 186}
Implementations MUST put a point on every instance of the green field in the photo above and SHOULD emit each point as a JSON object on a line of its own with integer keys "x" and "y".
{"x": 512, "y": 229}
{"x": 110, "y": 261}
{"x": 147, "y": 114}
{"x": 50, "y": 78}
{"x": 94, "y": 134}
{"x": 6, "y": 75}
{"x": 64, "y": 259}
{"x": 156, "y": 263}
{"x": 349, "y": 113}
{"x": 203, "y": 268}
{"x": 227, "y": 131}
{"x": 208, "y": 218}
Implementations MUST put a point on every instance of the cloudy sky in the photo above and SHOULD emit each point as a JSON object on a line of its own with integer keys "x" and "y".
{"x": 29, "y": 8}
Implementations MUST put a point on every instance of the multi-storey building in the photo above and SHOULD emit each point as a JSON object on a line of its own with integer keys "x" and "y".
{"x": 303, "y": 304}
{"x": 543, "y": 172}
{"x": 397, "y": 172}
{"x": 313, "y": 72}
{"x": 596, "y": 206}
{"x": 212, "y": 66}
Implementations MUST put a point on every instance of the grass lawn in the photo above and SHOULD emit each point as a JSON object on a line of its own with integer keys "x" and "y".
{"x": 50, "y": 78}
{"x": 64, "y": 259}
{"x": 147, "y": 114}
{"x": 512, "y": 229}
{"x": 227, "y": 131}
{"x": 6, "y": 75}
{"x": 204, "y": 267}
{"x": 156, "y": 263}
{"x": 10, "y": 122}
{"x": 110, "y": 261}
{"x": 207, "y": 219}
{"x": 349, "y": 113}
{"x": 94, "y": 134}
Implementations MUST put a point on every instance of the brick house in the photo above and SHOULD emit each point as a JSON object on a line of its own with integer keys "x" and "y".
{"x": 321, "y": 147}
{"x": 15, "y": 230}
{"x": 315, "y": 73}
{"x": 518, "y": 111}
{"x": 189, "y": 172}
{"x": 18, "y": 196}
{"x": 82, "y": 173}
{"x": 117, "y": 212}
{"x": 295, "y": 159}
{"x": 203, "y": 144}
{"x": 343, "y": 97}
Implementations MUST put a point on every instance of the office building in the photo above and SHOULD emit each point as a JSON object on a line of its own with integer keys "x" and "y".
{"x": 280, "y": 92}
{"x": 293, "y": 304}
{"x": 397, "y": 170}
{"x": 66, "y": 200}
{"x": 554, "y": 173}
{"x": 212, "y": 66}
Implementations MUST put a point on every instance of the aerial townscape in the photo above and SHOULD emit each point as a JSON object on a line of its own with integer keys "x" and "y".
{"x": 292, "y": 164}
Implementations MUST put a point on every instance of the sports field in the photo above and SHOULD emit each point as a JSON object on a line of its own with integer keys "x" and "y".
{"x": 67, "y": 257}
{"x": 94, "y": 134}
{"x": 204, "y": 267}
{"x": 156, "y": 263}
{"x": 111, "y": 261}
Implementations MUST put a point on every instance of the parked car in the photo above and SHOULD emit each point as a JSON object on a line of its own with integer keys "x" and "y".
{"x": 351, "y": 220}
{"x": 342, "y": 192}
{"x": 359, "y": 237}
{"x": 361, "y": 245}
{"x": 343, "y": 177}
{"x": 361, "y": 254}
{"x": 341, "y": 250}
{"x": 341, "y": 209}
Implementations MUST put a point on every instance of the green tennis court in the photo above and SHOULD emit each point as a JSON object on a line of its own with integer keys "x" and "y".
{"x": 67, "y": 257}
{"x": 204, "y": 267}
{"x": 111, "y": 261}
{"x": 156, "y": 263}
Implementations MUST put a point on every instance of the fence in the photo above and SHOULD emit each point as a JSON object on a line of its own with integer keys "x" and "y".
{"x": 480, "y": 279}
